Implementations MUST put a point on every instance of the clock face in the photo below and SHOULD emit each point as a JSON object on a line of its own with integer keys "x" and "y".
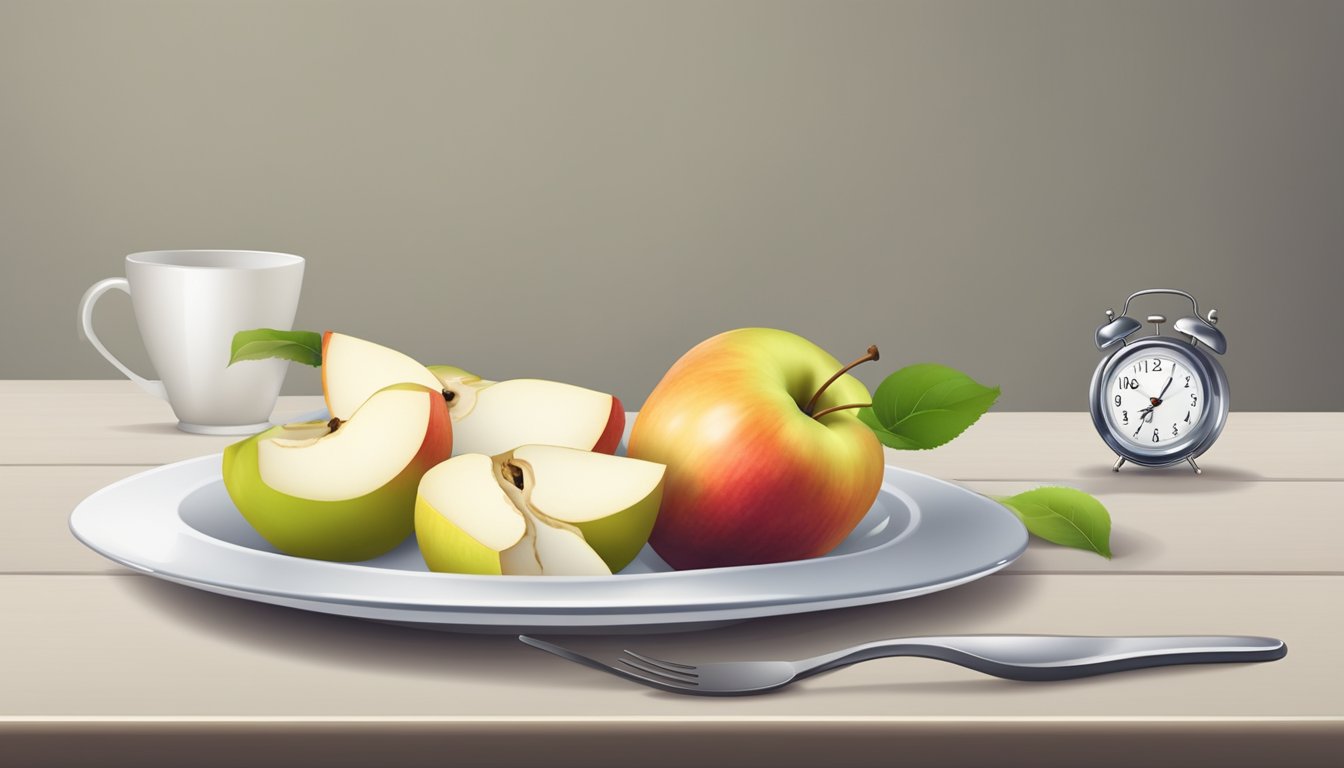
{"x": 1154, "y": 400}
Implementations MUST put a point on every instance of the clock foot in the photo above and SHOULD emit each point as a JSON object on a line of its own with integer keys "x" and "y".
{"x": 1120, "y": 462}
{"x": 1198, "y": 471}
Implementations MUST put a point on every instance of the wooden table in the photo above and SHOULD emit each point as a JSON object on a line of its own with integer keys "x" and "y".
{"x": 100, "y": 665}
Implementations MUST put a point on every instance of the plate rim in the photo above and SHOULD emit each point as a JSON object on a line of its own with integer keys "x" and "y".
{"x": 448, "y": 608}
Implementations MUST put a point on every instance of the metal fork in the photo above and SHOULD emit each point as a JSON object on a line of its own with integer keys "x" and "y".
{"x": 1015, "y": 657}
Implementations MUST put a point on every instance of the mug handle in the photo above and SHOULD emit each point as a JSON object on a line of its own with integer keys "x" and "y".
{"x": 91, "y": 296}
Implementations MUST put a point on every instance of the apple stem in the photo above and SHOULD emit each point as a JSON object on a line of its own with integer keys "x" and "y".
{"x": 835, "y": 408}
{"x": 334, "y": 424}
{"x": 872, "y": 355}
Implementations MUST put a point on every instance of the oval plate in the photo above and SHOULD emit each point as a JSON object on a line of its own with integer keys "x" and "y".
{"x": 176, "y": 522}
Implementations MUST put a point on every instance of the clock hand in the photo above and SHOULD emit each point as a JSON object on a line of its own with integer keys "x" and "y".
{"x": 1145, "y": 414}
{"x": 1156, "y": 401}
{"x": 1168, "y": 386}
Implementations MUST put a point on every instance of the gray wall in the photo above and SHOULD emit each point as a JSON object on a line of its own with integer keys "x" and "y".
{"x": 584, "y": 190}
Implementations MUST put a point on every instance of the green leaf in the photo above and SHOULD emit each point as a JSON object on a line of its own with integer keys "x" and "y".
{"x": 1064, "y": 516}
{"x": 888, "y": 438}
{"x": 264, "y": 343}
{"x": 924, "y": 406}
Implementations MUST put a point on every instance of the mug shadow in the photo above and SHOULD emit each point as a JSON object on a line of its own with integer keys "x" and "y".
{"x": 154, "y": 428}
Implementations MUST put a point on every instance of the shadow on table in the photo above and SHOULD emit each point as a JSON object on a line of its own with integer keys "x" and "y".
{"x": 148, "y": 428}
{"x": 1177, "y": 479}
{"x": 982, "y": 684}
{"x": 422, "y": 653}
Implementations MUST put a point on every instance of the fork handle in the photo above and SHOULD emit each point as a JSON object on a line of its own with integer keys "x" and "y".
{"x": 1057, "y": 657}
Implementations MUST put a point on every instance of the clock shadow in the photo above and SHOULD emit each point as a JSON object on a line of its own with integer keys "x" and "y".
{"x": 1177, "y": 479}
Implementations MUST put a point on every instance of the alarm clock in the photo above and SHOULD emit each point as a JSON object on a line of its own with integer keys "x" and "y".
{"x": 1160, "y": 400}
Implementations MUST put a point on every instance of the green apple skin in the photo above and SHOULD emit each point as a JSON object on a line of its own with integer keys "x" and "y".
{"x": 618, "y": 538}
{"x": 348, "y": 530}
{"x": 447, "y": 548}
{"x": 750, "y": 477}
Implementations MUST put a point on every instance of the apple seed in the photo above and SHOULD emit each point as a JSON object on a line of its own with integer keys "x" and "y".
{"x": 515, "y": 475}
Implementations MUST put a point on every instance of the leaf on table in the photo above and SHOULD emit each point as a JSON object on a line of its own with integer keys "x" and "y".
{"x": 1064, "y": 516}
{"x": 926, "y": 405}
{"x": 265, "y": 343}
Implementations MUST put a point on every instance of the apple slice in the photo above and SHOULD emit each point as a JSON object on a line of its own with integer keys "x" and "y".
{"x": 343, "y": 489}
{"x": 353, "y": 369}
{"x": 537, "y": 510}
{"x": 489, "y": 417}
{"x": 492, "y": 417}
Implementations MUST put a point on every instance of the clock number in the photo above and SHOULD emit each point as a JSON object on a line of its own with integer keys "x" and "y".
{"x": 1173, "y": 431}
{"x": 1187, "y": 417}
{"x": 1187, "y": 382}
{"x": 1157, "y": 363}
{"x": 1128, "y": 383}
{"x": 1194, "y": 400}
{"x": 1124, "y": 416}
{"x": 1117, "y": 401}
{"x": 1156, "y": 437}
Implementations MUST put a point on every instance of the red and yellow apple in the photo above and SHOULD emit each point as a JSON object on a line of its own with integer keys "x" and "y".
{"x": 342, "y": 489}
{"x": 766, "y": 460}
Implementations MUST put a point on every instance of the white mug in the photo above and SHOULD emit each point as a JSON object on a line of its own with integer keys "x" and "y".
{"x": 188, "y": 305}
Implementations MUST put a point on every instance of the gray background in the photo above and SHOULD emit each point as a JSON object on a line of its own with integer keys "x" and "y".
{"x": 584, "y": 190}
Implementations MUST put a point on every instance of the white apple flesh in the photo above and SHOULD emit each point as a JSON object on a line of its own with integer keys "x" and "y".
{"x": 537, "y": 510}
{"x": 341, "y": 490}
{"x": 492, "y": 417}
{"x": 488, "y": 417}
{"x": 353, "y": 369}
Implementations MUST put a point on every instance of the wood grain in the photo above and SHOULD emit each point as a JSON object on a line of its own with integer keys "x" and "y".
{"x": 77, "y": 646}
{"x": 113, "y": 422}
{"x": 104, "y": 422}
{"x": 1065, "y": 447}
{"x": 100, "y": 664}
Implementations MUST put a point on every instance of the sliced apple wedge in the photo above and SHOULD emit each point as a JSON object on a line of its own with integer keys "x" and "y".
{"x": 492, "y": 417}
{"x": 343, "y": 489}
{"x": 537, "y": 510}
{"x": 489, "y": 417}
{"x": 353, "y": 369}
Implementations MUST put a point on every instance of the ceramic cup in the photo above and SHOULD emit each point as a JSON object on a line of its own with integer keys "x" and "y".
{"x": 188, "y": 305}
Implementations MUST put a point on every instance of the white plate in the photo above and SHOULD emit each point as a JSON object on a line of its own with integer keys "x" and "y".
{"x": 176, "y": 522}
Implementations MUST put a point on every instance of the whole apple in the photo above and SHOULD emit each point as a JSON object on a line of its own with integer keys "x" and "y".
{"x": 766, "y": 460}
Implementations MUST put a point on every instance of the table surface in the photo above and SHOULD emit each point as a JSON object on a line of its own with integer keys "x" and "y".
{"x": 99, "y": 662}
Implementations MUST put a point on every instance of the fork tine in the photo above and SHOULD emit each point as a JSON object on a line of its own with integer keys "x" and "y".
{"x": 578, "y": 658}
{"x": 666, "y": 677}
{"x": 670, "y": 666}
